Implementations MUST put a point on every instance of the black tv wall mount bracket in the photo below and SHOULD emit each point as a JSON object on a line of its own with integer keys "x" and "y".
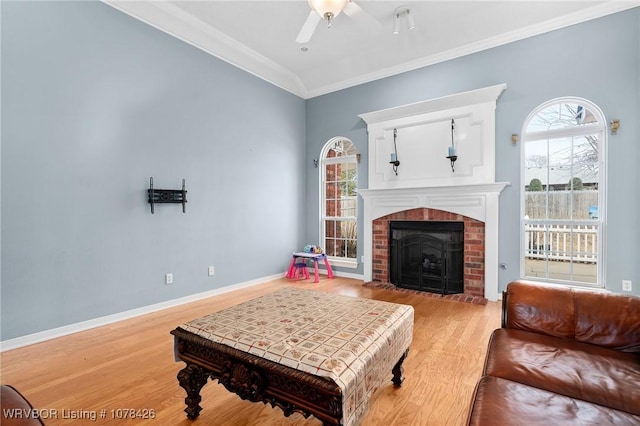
{"x": 167, "y": 196}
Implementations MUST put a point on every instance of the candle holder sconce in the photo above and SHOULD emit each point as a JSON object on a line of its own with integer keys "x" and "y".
{"x": 452, "y": 149}
{"x": 394, "y": 155}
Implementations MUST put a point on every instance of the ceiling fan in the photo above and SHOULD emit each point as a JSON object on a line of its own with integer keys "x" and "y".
{"x": 328, "y": 10}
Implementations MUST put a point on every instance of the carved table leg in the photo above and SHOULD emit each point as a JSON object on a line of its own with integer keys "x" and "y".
{"x": 192, "y": 378}
{"x": 398, "y": 370}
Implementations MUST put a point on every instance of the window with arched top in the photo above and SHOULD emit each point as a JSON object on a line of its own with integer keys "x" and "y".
{"x": 339, "y": 201}
{"x": 563, "y": 192}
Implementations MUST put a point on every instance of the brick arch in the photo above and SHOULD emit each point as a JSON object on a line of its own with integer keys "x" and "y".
{"x": 474, "y": 238}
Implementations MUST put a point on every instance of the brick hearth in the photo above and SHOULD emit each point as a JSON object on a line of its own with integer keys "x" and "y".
{"x": 474, "y": 239}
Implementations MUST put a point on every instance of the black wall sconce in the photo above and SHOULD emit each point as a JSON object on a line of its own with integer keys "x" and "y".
{"x": 452, "y": 149}
{"x": 167, "y": 196}
{"x": 394, "y": 155}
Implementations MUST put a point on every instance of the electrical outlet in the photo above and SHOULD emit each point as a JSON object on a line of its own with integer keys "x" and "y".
{"x": 212, "y": 271}
{"x": 168, "y": 279}
{"x": 626, "y": 285}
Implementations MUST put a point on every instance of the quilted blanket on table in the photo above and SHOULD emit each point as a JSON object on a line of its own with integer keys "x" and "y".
{"x": 354, "y": 341}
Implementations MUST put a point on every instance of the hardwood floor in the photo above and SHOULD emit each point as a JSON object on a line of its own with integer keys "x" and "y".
{"x": 130, "y": 364}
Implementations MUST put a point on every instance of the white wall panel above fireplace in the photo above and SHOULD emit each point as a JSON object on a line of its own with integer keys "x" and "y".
{"x": 423, "y": 136}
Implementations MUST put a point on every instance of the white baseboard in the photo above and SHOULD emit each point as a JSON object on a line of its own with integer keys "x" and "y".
{"x": 344, "y": 274}
{"x": 53, "y": 333}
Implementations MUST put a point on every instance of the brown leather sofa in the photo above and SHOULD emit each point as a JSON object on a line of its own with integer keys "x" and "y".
{"x": 562, "y": 356}
{"x": 16, "y": 410}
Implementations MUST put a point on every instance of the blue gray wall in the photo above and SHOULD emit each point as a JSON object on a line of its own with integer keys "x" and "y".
{"x": 93, "y": 104}
{"x": 597, "y": 60}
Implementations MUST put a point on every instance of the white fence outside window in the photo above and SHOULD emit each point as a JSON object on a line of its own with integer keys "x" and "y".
{"x": 577, "y": 243}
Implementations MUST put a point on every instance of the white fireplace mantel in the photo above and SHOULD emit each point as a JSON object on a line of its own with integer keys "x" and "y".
{"x": 419, "y": 135}
{"x": 479, "y": 202}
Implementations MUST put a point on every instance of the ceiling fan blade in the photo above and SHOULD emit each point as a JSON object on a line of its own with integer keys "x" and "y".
{"x": 355, "y": 12}
{"x": 352, "y": 9}
{"x": 308, "y": 28}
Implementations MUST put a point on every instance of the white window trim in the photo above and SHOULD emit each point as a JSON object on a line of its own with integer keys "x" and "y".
{"x": 601, "y": 130}
{"x": 334, "y": 260}
{"x": 343, "y": 262}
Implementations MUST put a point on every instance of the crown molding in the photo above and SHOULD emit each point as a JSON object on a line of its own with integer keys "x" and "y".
{"x": 172, "y": 20}
{"x": 471, "y": 97}
{"x": 595, "y": 12}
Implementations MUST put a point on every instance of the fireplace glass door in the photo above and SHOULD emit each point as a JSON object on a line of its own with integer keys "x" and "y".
{"x": 427, "y": 256}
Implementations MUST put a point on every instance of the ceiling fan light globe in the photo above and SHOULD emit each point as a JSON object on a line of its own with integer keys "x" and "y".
{"x": 328, "y": 9}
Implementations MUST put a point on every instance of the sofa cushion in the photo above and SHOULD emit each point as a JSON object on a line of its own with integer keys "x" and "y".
{"x": 575, "y": 369}
{"x": 596, "y": 317}
{"x": 504, "y": 402}
{"x": 544, "y": 309}
{"x": 607, "y": 319}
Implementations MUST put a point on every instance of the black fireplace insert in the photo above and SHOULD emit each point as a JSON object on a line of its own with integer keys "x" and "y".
{"x": 427, "y": 256}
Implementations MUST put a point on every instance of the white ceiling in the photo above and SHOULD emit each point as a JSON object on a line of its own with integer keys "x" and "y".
{"x": 259, "y": 36}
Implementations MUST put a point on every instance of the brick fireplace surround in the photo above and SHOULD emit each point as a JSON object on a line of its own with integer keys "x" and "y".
{"x": 475, "y": 205}
{"x": 473, "y": 250}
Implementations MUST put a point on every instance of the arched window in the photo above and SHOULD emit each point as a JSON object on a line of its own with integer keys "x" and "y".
{"x": 563, "y": 193}
{"x": 338, "y": 201}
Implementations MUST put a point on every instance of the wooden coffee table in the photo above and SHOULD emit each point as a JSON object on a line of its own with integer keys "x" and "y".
{"x": 300, "y": 350}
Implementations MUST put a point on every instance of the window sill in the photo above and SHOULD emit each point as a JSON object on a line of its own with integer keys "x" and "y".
{"x": 342, "y": 262}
